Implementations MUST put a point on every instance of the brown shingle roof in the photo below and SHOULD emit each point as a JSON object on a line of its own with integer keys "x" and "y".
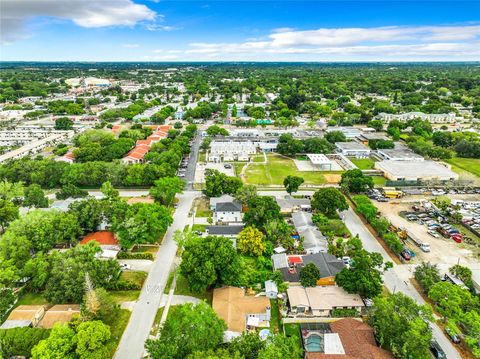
{"x": 232, "y": 305}
{"x": 61, "y": 313}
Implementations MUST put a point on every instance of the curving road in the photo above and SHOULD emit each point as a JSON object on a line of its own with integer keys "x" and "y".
{"x": 138, "y": 329}
{"x": 396, "y": 279}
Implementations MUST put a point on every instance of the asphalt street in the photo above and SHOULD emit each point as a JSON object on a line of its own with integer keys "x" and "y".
{"x": 192, "y": 162}
{"x": 396, "y": 279}
{"x": 138, "y": 329}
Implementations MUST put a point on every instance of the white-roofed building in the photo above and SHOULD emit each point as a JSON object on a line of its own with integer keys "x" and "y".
{"x": 320, "y": 160}
{"x": 353, "y": 148}
{"x": 415, "y": 171}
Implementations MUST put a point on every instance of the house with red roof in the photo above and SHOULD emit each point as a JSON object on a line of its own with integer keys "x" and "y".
{"x": 107, "y": 241}
{"x": 137, "y": 154}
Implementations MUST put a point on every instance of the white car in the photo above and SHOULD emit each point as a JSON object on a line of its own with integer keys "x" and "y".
{"x": 433, "y": 234}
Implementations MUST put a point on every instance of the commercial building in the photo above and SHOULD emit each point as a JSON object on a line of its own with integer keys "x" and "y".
{"x": 353, "y": 149}
{"x": 415, "y": 171}
{"x": 320, "y": 161}
{"x": 349, "y": 132}
{"x": 399, "y": 154}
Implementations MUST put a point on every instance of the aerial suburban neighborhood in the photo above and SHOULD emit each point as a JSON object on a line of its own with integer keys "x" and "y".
{"x": 243, "y": 207}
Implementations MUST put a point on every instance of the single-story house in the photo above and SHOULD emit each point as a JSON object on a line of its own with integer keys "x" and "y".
{"x": 290, "y": 266}
{"x": 415, "y": 171}
{"x": 24, "y": 316}
{"x": 289, "y": 204}
{"x": 231, "y": 232}
{"x": 239, "y": 311}
{"x": 60, "y": 313}
{"x": 313, "y": 240}
{"x": 353, "y": 339}
{"x": 107, "y": 241}
{"x": 353, "y": 149}
{"x": 320, "y": 301}
{"x": 271, "y": 290}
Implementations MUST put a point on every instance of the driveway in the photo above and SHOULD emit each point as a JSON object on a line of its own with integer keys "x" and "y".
{"x": 396, "y": 279}
{"x": 138, "y": 329}
{"x": 143, "y": 265}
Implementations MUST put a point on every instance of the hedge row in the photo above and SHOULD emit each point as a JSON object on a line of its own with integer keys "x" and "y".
{"x": 139, "y": 255}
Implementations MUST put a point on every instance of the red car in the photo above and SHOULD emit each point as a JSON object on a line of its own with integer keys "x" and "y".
{"x": 457, "y": 238}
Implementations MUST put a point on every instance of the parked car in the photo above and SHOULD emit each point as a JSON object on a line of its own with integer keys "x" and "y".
{"x": 437, "y": 351}
{"x": 433, "y": 234}
{"x": 227, "y": 165}
{"x": 125, "y": 266}
{"x": 382, "y": 199}
{"x": 406, "y": 255}
{"x": 457, "y": 238}
{"x": 453, "y": 336}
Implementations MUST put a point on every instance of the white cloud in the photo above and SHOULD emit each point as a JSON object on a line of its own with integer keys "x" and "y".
{"x": 157, "y": 27}
{"x": 130, "y": 46}
{"x": 393, "y": 42}
{"x": 16, "y": 14}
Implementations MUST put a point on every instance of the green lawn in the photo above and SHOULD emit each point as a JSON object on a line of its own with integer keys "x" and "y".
{"x": 169, "y": 282}
{"x": 363, "y": 163}
{"x": 202, "y": 156}
{"x": 199, "y": 227}
{"x": 32, "y": 299}
{"x": 275, "y": 171}
{"x": 462, "y": 165}
{"x": 202, "y": 206}
{"x": 275, "y": 320}
{"x": 117, "y": 327}
{"x": 379, "y": 181}
{"x": 121, "y": 296}
{"x": 293, "y": 330}
{"x": 182, "y": 289}
{"x": 134, "y": 276}
{"x": 258, "y": 158}
{"x": 156, "y": 322}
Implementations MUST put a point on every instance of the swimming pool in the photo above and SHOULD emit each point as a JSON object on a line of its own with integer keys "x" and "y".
{"x": 314, "y": 343}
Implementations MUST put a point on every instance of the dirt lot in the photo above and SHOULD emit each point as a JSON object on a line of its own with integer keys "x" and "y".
{"x": 444, "y": 252}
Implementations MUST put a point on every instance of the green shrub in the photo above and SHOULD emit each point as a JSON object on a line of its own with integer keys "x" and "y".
{"x": 20, "y": 341}
{"x": 139, "y": 255}
{"x": 344, "y": 312}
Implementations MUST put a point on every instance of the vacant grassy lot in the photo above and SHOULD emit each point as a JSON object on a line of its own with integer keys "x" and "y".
{"x": 468, "y": 166}
{"x": 134, "y": 276}
{"x": 275, "y": 171}
{"x": 121, "y": 296}
{"x": 202, "y": 206}
{"x": 363, "y": 163}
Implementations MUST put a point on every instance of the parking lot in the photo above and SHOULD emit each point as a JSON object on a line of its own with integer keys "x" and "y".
{"x": 444, "y": 251}
{"x": 200, "y": 170}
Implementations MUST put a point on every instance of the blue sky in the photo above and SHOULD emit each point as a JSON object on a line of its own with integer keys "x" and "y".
{"x": 146, "y": 30}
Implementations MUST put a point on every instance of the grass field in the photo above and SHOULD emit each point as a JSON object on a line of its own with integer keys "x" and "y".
{"x": 379, "y": 181}
{"x": 117, "y": 327}
{"x": 275, "y": 171}
{"x": 182, "y": 289}
{"x": 462, "y": 165}
{"x": 121, "y": 296}
{"x": 134, "y": 276}
{"x": 202, "y": 206}
{"x": 363, "y": 163}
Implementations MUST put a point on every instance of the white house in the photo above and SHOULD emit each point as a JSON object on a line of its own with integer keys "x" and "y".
{"x": 228, "y": 212}
{"x": 271, "y": 290}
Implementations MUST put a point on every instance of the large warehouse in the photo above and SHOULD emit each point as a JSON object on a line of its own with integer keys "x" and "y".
{"x": 415, "y": 170}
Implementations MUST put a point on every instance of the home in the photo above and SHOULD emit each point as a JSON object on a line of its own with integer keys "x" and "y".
{"x": 226, "y": 210}
{"x": 271, "y": 290}
{"x": 313, "y": 240}
{"x": 230, "y": 231}
{"x": 353, "y": 149}
{"x": 24, "y": 316}
{"x": 239, "y": 311}
{"x": 107, "y": 241}
{"x": 290, "y": 266}
{"x": 345, "y": 338}
{"x": 60, "y": 313}
{"x": 320, "y": 301}
{"x": 289, "y": 204}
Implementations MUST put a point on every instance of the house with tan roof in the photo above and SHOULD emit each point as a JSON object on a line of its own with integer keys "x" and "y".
{"x": 241, "y": 312}
{"x": 320, "y": 301}
{"x": 24, "y": 316}
{"x": 60, "y": 313}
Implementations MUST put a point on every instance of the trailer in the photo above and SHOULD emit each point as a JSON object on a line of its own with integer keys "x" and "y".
{"x": 424, "y": 246}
